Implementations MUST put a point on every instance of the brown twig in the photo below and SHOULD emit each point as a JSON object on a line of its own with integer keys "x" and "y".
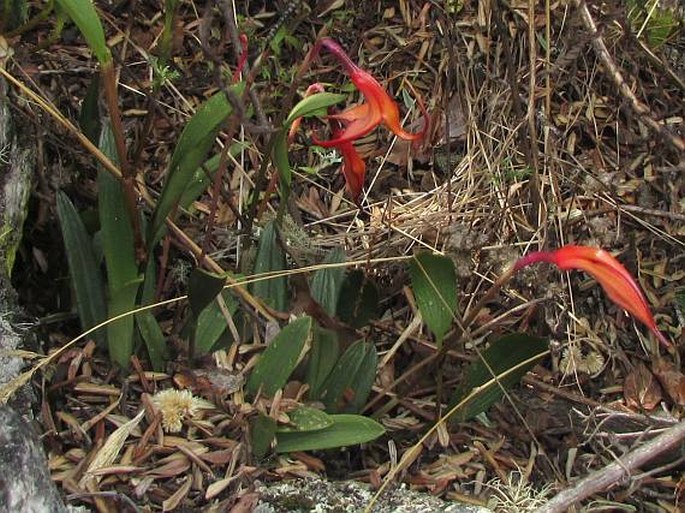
{"x": 615, "y": 472}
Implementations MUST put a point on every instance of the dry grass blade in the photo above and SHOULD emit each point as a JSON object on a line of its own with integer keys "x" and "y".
{"x": 109, "y": 451}
{"x": 179, "y": 495}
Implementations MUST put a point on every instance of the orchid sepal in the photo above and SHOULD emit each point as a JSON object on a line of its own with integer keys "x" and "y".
{"x": 379, "y": 108}
{"x": 615, "y": 279}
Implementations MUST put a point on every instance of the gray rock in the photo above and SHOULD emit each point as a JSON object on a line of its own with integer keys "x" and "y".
{"x": 319, "y": 496}
{"x": 25, "y": 484}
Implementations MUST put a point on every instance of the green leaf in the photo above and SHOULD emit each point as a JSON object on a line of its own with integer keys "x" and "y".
{"x": 13, "y": 14}
{"x": 322, "y": 358}
{"x": 83, "y": 268}
{"x": 118, "y": 247}
{"x": 262, "y": 432}
{"x": 193, "y": 145}
{"x": 203, "y": 287}
{"x": 89, "y": 117}
{"x": 115, "y": 223}
{"x": 435, "y": 286}
{"x": 211, "y": 323}
{"x": 349, "y": 384}
{"x": 148, "y": 327}
{"x": 83, "y": 14}
{"x": 345, "y": 431}
{"x": 120, "y": 332}
{"x": 203, "y": 175}
{"x": 306, "y": 419}
{"x": 327, "y": 282}
{"x": 309, "y": 106}
{"x": 279, "y": 360}
{"x": 505, "y": 358}
{"x": 270, "y": 257}
{"x": 358, "y": 300}
{"x": 154, "y": 340}
{"x": 314, "y": 105}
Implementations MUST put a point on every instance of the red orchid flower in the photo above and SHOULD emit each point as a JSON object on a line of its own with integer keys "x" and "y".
{"x": 353, "y": 168}
{"x": 611, "y": 275}
{"x": 379, "y": 108}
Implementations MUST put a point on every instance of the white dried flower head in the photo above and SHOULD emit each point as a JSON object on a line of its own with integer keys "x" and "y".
{"x": 593, "y": 362}
{"x": 571, "y": 360}
{"x": 515, "y": 495}
{"x": 175, "y": 405}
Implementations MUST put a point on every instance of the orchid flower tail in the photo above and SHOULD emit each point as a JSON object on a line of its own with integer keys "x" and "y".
{"x": 615, "y": 279}
{"x": 337, "y": 51}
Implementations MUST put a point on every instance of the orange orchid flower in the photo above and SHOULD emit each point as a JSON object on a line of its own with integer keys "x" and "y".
{"x": 611, "y": 275}
{"x": 353, "y": 168}
{"x": 379, "y": 107}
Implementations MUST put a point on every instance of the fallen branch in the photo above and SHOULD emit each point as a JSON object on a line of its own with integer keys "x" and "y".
{"x": 616, "y": 472}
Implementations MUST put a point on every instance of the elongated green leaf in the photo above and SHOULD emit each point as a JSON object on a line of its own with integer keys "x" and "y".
{"x": 89, "y": 117}
{"x": 322, "y": 359}
{"x": 120, "y": 332}
{"x": 502, "y": 356}
{"x": 279, "y": 360}
{"x": 262, "y": 432}
{"x": 358, "y": 300}
{"x": 148, "y": 327}
{"x": 349, "y": 384}
{"x": 13, "y": 13}
{"x": 346, "y": 430}
{"x": 435, "y": 286}
{"x": 83, "y": 14}
{"x": 327, "y": 282}
{"x": 306, "y": 419}
{"x": 203, "y": 287}
{"x": 118, "y": 246}
{"x": 195, "y": 142}
{"x": 83, "y": 268}
{"x": 166, "y": 39}
{"x": 270, "y": 257}
{"x": 314, "y": 105}
{"x": 202, "y": 177}
{"x": 115, "y": 222}
{"x": 154, "y": 340}
{"x": 211, "y": 323}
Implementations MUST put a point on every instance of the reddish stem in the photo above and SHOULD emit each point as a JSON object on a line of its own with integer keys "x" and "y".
{"x": 534, "y": 258}
{"x": 337, "y": 51}
{"x": 243, "y": 57}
